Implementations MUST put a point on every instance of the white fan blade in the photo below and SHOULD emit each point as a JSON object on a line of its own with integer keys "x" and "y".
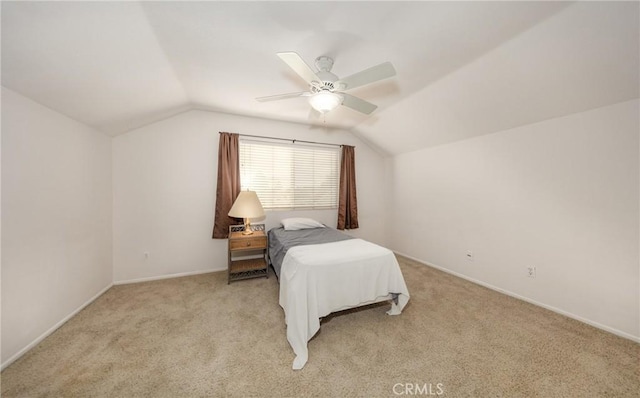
{"x": 298, "y": 65}
{"x": 283, "y": 96}
{"x": 358, "y": 104}
{"x": 367, "y": 76}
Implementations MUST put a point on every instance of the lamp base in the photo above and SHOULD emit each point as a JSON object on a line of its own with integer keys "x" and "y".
{"x": 247, "y": 227}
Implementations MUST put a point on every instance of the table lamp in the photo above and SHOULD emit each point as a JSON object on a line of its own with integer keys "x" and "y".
{"x": 247, "y": 206}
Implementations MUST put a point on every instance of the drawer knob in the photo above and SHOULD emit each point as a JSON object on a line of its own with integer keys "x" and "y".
{"x": 248, "y": 243}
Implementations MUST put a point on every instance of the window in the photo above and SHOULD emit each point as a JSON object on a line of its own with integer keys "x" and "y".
{"x": 290, "y": 176}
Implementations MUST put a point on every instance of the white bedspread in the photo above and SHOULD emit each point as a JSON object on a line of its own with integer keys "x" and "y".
{"x": 316, "y": 280}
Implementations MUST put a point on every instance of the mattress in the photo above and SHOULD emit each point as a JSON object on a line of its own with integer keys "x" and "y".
{"x": 319, "y": 279}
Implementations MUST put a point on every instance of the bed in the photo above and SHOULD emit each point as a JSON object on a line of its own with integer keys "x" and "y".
{"x": 322, "y": 270}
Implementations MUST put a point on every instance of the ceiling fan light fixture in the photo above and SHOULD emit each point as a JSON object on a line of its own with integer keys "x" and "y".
{"x": 325, "y": 101}
{"x": 326, "y": 90}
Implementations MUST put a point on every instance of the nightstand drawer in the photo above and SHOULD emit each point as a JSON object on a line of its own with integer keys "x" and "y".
{"x": 258, "y": 242}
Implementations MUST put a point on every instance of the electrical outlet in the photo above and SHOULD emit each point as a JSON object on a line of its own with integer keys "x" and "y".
{"x": 531, "y": 272}
{"x": 469, "y": 255}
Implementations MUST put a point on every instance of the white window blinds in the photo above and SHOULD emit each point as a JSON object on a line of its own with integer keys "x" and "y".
{"x": 290, "y": 176}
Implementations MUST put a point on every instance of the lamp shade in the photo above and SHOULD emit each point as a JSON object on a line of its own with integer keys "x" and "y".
{"x": 247, "y": 205}
{"x": 325, "y": 101}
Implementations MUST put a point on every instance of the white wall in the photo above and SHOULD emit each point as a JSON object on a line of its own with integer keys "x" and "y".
{"x": 56, "y": 220}
{"x": 164, "y": 182}
{"x": 561, "y": 195}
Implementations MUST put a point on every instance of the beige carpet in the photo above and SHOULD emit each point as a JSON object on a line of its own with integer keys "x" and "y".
{"x": 197, "y": 337}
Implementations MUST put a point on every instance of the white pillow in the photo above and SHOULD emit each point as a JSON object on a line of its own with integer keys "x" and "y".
{"x": 296, "y": 223}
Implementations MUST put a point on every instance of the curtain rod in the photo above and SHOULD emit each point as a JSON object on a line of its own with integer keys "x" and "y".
{"x": 287, "y": 139}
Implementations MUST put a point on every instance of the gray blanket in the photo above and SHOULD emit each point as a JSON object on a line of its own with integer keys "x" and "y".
{"x": 280, "y": 241}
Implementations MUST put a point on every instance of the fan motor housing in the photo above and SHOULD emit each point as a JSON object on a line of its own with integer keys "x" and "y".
{"x": 316, "y": 87}
{"x": 324, "y": 65}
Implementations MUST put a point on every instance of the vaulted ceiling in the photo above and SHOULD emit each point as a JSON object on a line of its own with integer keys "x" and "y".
{"x": 463, "y": 68}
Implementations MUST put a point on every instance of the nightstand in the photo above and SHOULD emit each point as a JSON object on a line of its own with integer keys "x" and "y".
{"x": 247, "y": 255}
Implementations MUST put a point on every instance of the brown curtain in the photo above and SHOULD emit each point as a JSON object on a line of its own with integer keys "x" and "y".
{"x": 347, "y": 201}
{"x": 228, "y": 183}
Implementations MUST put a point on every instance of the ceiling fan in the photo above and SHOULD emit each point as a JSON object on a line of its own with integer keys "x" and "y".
{"x": 326, "y": 90}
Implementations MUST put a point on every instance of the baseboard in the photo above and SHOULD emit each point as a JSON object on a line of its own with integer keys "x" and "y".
{"x": 528, "y": 300}
{"x": 92, "y": 299}
{"x": 169, "y": 276}
{"x": 52, "y": 329}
